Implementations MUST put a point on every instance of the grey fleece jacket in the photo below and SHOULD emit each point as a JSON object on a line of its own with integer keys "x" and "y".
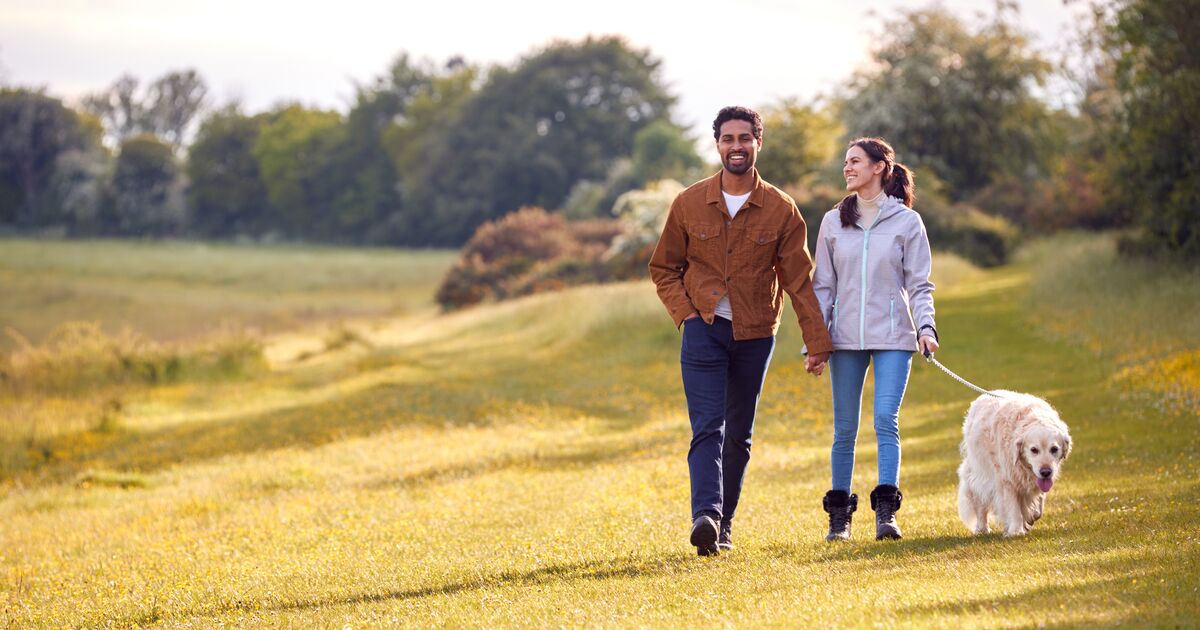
{"x": 872, "y": 282}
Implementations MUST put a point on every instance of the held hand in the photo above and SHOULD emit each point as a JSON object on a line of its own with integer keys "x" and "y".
{"x": 692, "y": 316}
{"x": 815, "y": 363}
{"x": 928, "y": 345}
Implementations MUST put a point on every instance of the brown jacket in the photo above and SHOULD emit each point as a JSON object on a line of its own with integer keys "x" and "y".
{"x": 755, "y": 257}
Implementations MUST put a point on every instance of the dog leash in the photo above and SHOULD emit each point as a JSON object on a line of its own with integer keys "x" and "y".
{"x": 929, "y": 358}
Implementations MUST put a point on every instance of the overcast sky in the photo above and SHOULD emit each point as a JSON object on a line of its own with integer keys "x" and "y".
{"x": 265, "y": 52}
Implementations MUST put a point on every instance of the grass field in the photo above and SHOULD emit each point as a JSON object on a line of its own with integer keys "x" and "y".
{"x": 523, "y": 464}
{"x": 185, "y": 290}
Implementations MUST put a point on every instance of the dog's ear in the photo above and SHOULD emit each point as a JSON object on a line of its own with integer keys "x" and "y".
{"x": 1019, "y": 451}
{"x": 1066, "y": 444}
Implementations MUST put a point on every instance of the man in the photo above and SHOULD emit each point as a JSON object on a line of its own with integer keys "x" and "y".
{"x": 731, "y": 246}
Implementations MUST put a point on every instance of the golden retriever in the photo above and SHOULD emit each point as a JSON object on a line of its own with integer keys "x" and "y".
{"x": 1012, "y": 449}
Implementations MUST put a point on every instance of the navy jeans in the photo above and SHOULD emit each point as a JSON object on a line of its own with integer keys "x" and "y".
{"x": 722, "y": 379}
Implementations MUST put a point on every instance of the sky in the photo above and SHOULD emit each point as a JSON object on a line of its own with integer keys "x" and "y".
{"x": 266, "y": 52}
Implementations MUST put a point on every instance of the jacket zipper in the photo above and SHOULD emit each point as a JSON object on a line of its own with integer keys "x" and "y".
{"x": 862, "y": 311}
{"x": 835, "y": 303}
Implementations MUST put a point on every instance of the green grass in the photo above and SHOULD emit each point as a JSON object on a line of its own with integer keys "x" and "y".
{"x": 1141, "y": 316}
{"x": 523, "y": 464}
{"x": 184, "y": 290}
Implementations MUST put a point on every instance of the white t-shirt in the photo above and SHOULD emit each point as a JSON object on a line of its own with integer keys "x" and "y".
{"x": 734, "y": 203}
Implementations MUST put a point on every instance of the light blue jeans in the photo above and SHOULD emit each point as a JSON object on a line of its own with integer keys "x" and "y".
{"x": 848, "y": 372}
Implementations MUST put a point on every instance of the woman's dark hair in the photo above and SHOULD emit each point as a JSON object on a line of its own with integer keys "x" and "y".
{"x": 897, "y": 178}
{"x": 738, "y": 113}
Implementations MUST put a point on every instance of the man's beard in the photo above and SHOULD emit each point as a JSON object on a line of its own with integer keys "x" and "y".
{"x": 747, "y": 164}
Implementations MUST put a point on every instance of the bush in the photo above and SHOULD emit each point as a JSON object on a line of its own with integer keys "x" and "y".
{"x": 530, "y": 233}
{"x": 473, "y": 280}
{"x": 1073, "y": 196}
{"x": 984, "y": 239}
{"x": 554, "y": 275}
{"x": 525, "y": 252}
{"x": 595, "y": 233}
{"x": 642, "y": 215}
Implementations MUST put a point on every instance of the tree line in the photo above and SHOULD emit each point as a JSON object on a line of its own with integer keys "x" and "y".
{"x": 427, "y": 152}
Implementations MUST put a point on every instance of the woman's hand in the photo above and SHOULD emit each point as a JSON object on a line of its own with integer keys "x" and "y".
{"x": 928, "y": 345}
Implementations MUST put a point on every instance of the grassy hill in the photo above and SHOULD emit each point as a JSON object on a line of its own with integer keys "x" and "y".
{"x": 524, "y": 464}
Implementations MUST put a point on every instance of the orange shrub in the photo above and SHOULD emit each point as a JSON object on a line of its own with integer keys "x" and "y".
{"x": 527, "y": 251}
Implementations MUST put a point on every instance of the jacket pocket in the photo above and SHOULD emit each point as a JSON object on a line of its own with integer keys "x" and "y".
{"x": 704, "y": 231}
{"x": 892, "y": 316}
{"x": 704, "y": 236}
{"x": 762, "y": 245}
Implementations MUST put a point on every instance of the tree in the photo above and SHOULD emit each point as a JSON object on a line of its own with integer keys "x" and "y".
{"x": 432, "y": 107}
{"x": 560, "y": 116}
{"x": 367, "y": 206}
{"x": 226, "y": 193}
{"x": 167, "y": 108}
{"x": 76, "y": 190}
{"x": 957, "y": 101}
{"x": 1156, "y": 44}
{"x": 35, "y": 132}
{"x": 172, "y": 104}
{"x": 799, "y": 141}
{"x": 146, "y": 192}
{"x": 661, "y": 150}
{"x": 293, "y": 154}
{"x": 118, "y": 107}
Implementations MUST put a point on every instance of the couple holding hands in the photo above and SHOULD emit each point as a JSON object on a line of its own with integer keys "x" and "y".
{"x": 732, "y": 245}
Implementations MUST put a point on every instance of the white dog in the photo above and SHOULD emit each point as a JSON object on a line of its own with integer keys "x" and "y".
{"x": 1012, "y": 448}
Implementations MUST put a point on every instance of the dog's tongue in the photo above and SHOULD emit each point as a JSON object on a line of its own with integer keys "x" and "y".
{"x": 1044, "y": 484}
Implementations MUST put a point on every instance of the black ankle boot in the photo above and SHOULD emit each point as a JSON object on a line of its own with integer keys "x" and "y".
{"x": 840, "y": 505}
{"x": 885, "y": 500}
{"x": 704, "y": 535}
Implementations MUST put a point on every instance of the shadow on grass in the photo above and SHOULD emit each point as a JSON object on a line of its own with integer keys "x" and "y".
{"x": 597, "y": 453}
{"x": 840, "y": 551}
{"x": 593, "y": 570}
{"x": 1152, "y": 597}
{"x": 376, "y": 409}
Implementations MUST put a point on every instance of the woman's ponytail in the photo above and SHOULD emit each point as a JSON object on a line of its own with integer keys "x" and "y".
{"x": 900, "y": 185}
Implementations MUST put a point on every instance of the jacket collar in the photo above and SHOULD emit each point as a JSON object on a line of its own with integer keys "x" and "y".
{"x": 888, "y": 207}
{"x": 713, "y": 190}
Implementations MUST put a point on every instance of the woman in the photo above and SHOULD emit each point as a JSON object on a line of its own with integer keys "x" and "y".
{"x": 872, "y": 282}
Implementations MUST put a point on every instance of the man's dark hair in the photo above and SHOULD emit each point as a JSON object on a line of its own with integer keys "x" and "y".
{"x": 738, "y": 113}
